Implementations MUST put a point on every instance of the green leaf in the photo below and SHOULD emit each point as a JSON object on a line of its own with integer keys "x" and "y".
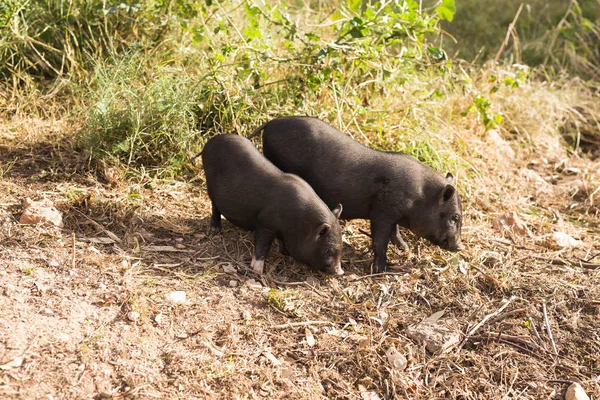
{"x": 437, "y": 53}
{"x": 446, "y": 10}
{"x": 252, "y": 10}
{"x": 357, "y": 32}
{"x": 198, "y": 35}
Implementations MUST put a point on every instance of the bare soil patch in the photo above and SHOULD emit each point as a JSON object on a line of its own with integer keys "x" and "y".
{"x": 84, "y": 309}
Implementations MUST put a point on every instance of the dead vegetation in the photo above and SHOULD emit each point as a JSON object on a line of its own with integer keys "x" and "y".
{"x": 86, "y": 314}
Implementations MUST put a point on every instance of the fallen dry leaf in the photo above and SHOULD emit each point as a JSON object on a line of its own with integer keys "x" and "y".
{"x": 272, "y": 358}
{"x": 366, "y": 394}
{"x": 310, "y": 339}
{"x": 565, "y": 240}
{"x": 510, "y": 221}
{"x": 396, "y": 360}
{"x": 14, "y": 363}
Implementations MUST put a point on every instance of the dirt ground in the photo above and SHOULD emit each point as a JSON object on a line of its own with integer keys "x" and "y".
{"x": 86, "y": 313}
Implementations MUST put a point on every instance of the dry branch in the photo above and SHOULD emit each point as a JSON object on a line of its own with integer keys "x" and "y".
{"x": 547, "y": 323}
{"x": 483, "y": 321}
{"x": 303, "y": 323}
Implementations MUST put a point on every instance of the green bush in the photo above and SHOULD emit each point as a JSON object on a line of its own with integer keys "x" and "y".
{"x": 227, "y": 67}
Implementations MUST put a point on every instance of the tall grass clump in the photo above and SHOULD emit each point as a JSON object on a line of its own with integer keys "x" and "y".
{"x": 143, "y": 115}
{"x": 562, "y": 36}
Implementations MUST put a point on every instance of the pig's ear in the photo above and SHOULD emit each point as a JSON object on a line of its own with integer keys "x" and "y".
{"x": 447, "y": 194}
{"x": 322, "y": 230}
{"x": 337, "y": 211}
{"x": 450, "y": 178}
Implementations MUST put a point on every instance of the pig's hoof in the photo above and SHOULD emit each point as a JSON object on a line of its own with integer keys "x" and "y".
{"x": 215, "y": 230}
{"x": 257, "y": 265}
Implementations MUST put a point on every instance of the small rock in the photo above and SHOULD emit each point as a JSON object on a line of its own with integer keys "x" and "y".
{"x": 251, "y": 283}
{"x": 233, "y": 283}
{"x": 199, "y": 236}
{"x": 133, "y": 316}
{"x": 46, "y": 311}
{"x": 181, "y": 335}
{"x": 396, "y": 360}
{"x": 438, "y": 335}
{"x": 39, "y": 212}
{"x": 177, "y": 297}
{"x": 229, "y": 269}
{"x": 179, "y": 246}
{"x": 158, "y": 319}
{"x": 576, "y": 392}
{"x": 246, "y": 315}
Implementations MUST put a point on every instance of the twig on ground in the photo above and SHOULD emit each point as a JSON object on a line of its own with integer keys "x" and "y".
{"x": 311, "y": 287}
{"x": 303, "y": 323}
{"x": 506, "y": 315}
{"x": 100, "y": 227}
{"x": 378, "y": 274}
{"x": 483, "y": 321}
{"x": 537, "y": 333}
{"x": 581, "y": 264}
{"x": 73, "y": 256}
{"x": 547, "y": 323}
{"x": 502, "y": 339}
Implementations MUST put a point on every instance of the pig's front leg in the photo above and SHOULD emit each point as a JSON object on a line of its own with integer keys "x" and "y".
{"x": 381, "y": 230}
{"x": 262, "y": 243}
{"x": 397, "y": 239}
{"x": 215, "y": 220}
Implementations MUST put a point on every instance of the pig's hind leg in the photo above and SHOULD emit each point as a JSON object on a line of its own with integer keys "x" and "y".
{"x": 262, "y": 243}
{"x": 215, "y": 220}
{"x": 381, "y": 231}
{"x": 397, "y": 239}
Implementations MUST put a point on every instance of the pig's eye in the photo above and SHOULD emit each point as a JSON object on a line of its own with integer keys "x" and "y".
{"x": 455, "y": 217}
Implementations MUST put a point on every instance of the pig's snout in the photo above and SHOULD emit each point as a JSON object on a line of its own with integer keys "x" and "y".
{"x": 336, "y": 269}
{"x": 455, "y": 246}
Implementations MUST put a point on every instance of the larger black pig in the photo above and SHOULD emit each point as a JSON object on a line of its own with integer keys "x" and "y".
{"x": 389, "y": 189}
{"x": 253, "y": 194}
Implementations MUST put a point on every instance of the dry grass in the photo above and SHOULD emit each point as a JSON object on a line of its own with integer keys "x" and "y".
{"x": 65, "y": 301}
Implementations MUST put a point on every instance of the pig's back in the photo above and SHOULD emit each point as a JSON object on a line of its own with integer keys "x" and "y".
{"x": 339, "y": 169}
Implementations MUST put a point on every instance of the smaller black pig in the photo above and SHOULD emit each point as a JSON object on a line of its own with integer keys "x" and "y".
{"x": 254, "y": 194}
{"x": 389, "y": 189}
